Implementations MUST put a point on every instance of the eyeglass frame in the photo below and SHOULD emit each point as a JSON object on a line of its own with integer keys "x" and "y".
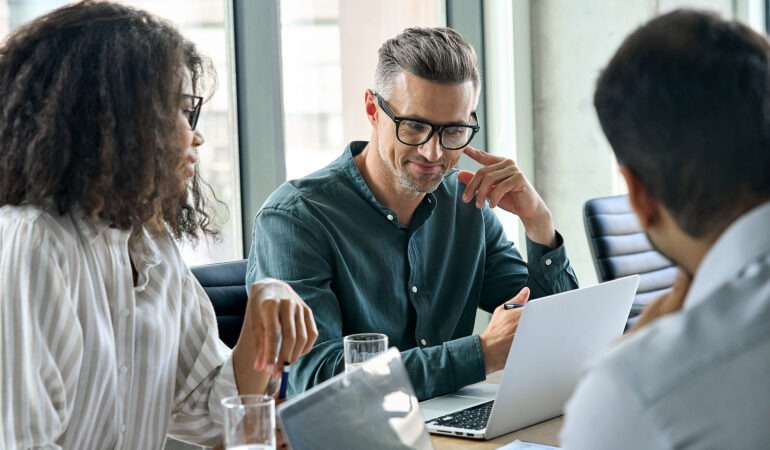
{"x": 196, "y": 109}
{"x": 433, "y": 128}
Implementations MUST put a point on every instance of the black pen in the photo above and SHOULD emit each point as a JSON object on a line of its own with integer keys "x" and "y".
{"x": 513, "y": 305}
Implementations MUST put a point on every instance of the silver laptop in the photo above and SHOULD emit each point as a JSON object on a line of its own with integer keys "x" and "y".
{"x": 372, "y": 407}
{"x": 556, "y": 336}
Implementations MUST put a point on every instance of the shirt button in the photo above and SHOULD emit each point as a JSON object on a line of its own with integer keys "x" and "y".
{"x": 423, "y": 342}
{"x": 122, "y": 427}
{"x": 414, "y": 289}
{"x": 124, "y": 312}
{"x": 390, "y": 217}
{"x": 123, "y": 369}
{"x": 548, "y": 262}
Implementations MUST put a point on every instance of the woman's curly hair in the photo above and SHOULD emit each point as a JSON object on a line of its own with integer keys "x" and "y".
{"x": 89, "y": 100}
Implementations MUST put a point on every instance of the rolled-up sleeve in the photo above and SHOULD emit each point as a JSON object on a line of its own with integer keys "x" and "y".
{"x": 205, "y": 372}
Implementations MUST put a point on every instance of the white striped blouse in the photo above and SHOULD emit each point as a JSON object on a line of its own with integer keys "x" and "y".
{"x": 87, "y": 359}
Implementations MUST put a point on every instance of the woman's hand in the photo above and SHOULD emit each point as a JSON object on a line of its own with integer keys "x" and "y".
{"x": 278, "y": 327}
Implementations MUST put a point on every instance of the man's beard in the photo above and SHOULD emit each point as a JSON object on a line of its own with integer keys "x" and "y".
{"x": 658, "y": 249}
{"x": 420, "y": 184}
{"x": 423, "y": 183}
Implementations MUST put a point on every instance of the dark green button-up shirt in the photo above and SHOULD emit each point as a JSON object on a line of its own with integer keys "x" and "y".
{"x": 360, "y": 270}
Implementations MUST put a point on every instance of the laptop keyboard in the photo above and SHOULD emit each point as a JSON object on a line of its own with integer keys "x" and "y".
{"x": 474, "y": 418}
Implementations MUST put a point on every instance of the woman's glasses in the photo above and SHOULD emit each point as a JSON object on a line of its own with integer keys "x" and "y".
{"x": 195, "y": 111}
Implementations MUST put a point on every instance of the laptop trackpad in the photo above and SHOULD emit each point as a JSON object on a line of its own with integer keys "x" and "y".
{"x": 464, "y": 398}
{"x": 485, "y": 391}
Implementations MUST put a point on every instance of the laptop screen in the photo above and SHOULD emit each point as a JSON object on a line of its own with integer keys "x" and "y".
{"x": 375, "y": 404}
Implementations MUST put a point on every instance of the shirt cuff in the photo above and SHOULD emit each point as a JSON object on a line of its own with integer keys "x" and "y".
{"x": 545, "y": 262}
{"x": 467, "y": 361}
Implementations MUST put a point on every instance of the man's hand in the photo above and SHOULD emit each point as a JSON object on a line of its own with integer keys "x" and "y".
{"x": 274, "y": 313}
{"x": 667, "y": 303}
{"x": 502, "y": 183}
{"x": 496, "y": 340}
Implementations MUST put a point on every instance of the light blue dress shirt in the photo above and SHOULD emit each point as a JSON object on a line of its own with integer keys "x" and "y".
{"x": 697, "y": 379}
{"x": 360, "y": 270}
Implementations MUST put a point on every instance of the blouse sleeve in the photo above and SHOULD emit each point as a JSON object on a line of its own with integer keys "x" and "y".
{"x": 41, "y": 346}
{"x": 205, "y": 371}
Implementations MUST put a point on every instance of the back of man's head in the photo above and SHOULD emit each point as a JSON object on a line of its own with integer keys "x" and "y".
{"x": 685, "y": 104}
{"x": 437, "y": 54}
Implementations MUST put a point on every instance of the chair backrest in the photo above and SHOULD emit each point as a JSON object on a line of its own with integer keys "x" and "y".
{"x": 225, "y": 284}
{"x": 620, "y": 247}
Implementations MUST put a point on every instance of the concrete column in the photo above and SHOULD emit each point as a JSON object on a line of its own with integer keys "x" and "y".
{"x": 571, "y": 42}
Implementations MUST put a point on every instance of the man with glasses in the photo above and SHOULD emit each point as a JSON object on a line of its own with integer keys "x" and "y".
{"x": 391, "y": 238}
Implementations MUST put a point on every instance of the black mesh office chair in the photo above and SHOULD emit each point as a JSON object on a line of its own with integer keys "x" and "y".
{"x": 619, "y": 247}
{"x": 226, "y": 287}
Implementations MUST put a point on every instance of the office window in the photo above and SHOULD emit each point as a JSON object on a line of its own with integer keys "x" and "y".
{"x": 329, "y": 53}
{"x": 208, "y": 24}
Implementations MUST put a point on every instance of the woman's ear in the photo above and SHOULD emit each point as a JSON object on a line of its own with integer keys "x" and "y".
{"x": 645, "y": 206}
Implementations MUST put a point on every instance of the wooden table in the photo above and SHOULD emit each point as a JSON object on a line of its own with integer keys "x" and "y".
{"x": 542, "y": 433}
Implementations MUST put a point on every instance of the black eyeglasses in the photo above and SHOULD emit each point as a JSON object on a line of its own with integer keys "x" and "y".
{"x": 415, "y": 132}
{"x": 195, "y": 112}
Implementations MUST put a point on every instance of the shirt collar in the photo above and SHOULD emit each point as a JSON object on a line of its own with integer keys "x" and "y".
{"x": 141, "y": 245}
{"x": 144, "y": 253}
{"x": 351, "y": 170}
{"x": 743, "y": 241}
{"x": 90, "y": 228}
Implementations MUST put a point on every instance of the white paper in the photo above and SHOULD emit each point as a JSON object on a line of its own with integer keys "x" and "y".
{"x": 521, "y": 445}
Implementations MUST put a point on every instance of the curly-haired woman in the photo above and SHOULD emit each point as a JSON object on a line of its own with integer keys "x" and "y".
{"x": 106, "y": 338}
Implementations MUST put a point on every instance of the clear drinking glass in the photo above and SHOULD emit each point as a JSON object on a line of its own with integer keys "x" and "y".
{"x": 249, "y": 422}
{"x": 360, "y": 347}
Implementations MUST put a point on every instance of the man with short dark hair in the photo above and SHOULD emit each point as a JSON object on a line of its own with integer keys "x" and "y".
{"x": 388, "y": 238}
{"x": 685, "y": 104}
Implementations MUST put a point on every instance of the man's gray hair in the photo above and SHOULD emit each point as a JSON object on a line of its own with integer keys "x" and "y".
{"x": 437, "y": 54}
